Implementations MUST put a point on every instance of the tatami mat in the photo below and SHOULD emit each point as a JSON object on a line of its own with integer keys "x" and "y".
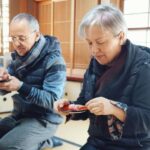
{"x": 73, "y": 134}
{"x": 64, "y": 147}
{"x": 75, "y": 131}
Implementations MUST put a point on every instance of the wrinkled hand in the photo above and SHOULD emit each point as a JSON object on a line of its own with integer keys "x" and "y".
{"x": 58, "y": 105}
{"x": 12, "y": 85}
{"x": 100, "y": 106}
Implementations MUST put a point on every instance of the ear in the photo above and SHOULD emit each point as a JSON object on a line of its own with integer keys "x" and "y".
{"x": 121, "y": 37}
{"x": 37, "y": 36}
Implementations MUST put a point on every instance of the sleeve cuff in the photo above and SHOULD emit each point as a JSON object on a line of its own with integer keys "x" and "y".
{"x": 25, "y": 89}
{"x": 20, "y": 85}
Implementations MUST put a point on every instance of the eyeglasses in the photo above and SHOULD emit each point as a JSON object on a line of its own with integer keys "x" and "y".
{"x": 20, "y": 38}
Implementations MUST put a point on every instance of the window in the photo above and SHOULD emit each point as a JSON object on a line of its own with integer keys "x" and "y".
{"x": 4, "y": 23}
{"x": 138, "y": 21}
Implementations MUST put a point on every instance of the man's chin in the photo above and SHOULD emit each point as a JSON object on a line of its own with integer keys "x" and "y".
{"x": 21, "y": 53}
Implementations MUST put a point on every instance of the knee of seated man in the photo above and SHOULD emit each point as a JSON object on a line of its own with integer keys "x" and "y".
{"x": 4, "y": 146}
{"x": 6, "y": 124}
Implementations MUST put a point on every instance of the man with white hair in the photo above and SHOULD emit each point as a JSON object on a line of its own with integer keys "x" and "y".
{"x": 38, "y": 74}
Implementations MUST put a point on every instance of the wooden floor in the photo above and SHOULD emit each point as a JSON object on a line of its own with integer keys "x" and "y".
{"x": 73, "y": 135}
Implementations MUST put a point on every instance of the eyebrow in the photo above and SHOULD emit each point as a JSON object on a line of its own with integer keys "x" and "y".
{"x": 100, "y": 38}
{"x": 16, "y": 35}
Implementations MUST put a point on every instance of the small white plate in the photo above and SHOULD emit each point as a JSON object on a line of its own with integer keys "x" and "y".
{"x": 74, "y": 112}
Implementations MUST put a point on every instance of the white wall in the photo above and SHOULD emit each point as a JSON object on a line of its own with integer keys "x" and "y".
{"x": 72, "y": 90}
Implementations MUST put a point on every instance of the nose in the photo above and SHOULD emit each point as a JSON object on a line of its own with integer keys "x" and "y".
{"x": 16, "y": 43}
{"x": 94, "y": 49}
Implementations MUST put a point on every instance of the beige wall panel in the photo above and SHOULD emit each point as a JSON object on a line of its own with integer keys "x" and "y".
{"x": 61, "y": 30}
{"x": 21, "y": 6}
{"x": 44, "y": 17}
{"x": 82, "y": 6}
{"x": 6, "y": 102}
{"x": 14, "y": 7}
{"x": 45, "y": 28}
{"x": 32, "y": 7}
{"x": 82, "y": 55}
{"x": 66, "y": 52}
{"x": 44, "y": 14}
{"x": 61, "y": 26}
{"x": 81, "y": 52}
{"x": 72, "y": 90}
{"x": 62, "y": 11}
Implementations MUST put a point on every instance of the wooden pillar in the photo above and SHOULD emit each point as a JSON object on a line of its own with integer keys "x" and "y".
{"x": 23, "y": 6}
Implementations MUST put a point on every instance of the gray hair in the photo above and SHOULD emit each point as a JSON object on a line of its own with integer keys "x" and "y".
{"x": 106, "y": 17}
{"x": 33, "y": 23}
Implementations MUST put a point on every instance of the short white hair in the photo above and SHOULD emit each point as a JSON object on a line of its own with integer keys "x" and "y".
{"x": 105, "y": 16}
{"x": 33, "y": 23}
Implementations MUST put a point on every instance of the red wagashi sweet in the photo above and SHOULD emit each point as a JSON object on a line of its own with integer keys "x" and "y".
{"x": 73, "y": 107}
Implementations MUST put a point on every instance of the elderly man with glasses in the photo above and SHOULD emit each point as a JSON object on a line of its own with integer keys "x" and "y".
{"x": 38, "y": 73}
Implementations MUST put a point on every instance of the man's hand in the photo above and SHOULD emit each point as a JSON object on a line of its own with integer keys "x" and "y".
{"x": 13, "y": 84}
{"x": 58, "y": 105}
